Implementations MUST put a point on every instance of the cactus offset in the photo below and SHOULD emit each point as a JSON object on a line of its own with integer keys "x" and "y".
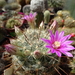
{"x": 46, "y": 17}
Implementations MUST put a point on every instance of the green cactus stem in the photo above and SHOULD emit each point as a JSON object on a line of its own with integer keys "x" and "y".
{"x": 46, "y": 17}
{"x": 39, "y": 18}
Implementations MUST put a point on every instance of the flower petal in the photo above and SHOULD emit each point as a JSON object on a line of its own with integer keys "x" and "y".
{"x": 58, "y": 53}
{"x": 56, "y": 35}
{"x": 61, "y": 34}
{"x": 48, "y": 46}
{"x": 52, "y": 50}
{"x": 49, "y": 51}
{"x": 45, "y": 40}
{"x": 68, "y": 54}
{"x": 51, "y": 36}
{"x": 67, "y": 42}
{"x": 64, "y": 44}
{"x": 65, "y": 38}
{"x": 66, "y": 47}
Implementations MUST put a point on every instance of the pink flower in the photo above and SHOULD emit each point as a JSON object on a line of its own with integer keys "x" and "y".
{"x": 10, "y": 48}
{"x": 59, "y": 44}
{"x": 21, "y": 13}
{"x": 30, "y": 18}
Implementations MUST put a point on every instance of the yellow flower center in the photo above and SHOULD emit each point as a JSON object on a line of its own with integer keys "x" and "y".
{"x": 56, "y": 44}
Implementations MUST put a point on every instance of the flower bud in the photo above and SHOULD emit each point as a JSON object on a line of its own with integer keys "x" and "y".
{"x": 10, "y": 48}
{"x": 41, "y": 25}
{"x": 37, "y": 53}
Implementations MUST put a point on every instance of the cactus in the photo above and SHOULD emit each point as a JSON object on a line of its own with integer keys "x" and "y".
{"x": 12, "y": 6}
{"x": 7, "y": 7}
{"x": 11, "y": 1}
{"x": 59, "y": 13}
{"x": 30, "y": 56}
{"x": 2, "y": 3}
{"x": 15, "y": 6}
{"x": 69, "y": 30}
{"x": 37, "y": 6}
{"x": 39, "y": 18}
{"x": 12, "y": 22}
{"x": 56, "y": 4}
{"x": 69, "y": 22}
{"x": 46, "y": 17}
{"x": 34, "y": 59}
{"x": 63, "y": 13}
{"x": 26, "y": 9}
{"x": 59, "y": 20}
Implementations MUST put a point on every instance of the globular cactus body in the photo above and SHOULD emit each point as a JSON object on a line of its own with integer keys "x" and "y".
{"x": 46, "y": 17}
{"x": 12, "y": 22}
{"x": 26, "y": 9}
{"x": 69, "y": 22}
{"x": 63, "y": 13}
{"x": 34, "y": 58}
{"x": 59, "y": 20}
{"x": 37, "y": 6}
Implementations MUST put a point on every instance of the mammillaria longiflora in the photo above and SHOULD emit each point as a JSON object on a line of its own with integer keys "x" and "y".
{"x": 33, "y": 57}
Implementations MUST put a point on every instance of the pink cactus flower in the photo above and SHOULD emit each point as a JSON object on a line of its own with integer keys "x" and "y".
{"x": 30, "y": 18}
{"x": 59, "y": 44}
